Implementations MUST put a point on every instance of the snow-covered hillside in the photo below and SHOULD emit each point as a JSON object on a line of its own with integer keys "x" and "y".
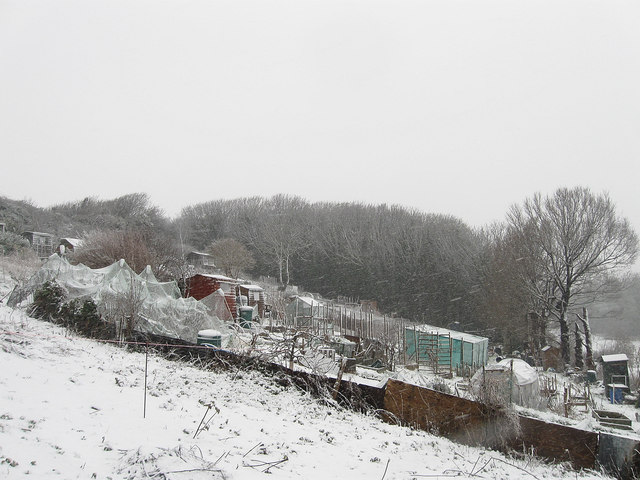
{"x": 73, "y": 408}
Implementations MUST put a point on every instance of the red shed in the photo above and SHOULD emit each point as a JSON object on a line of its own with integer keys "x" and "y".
{"x": 202, "y": 285}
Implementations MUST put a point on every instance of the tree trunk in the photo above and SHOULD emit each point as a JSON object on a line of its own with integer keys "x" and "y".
{"x": 578, "y": 349}
{"x": 563, "y": 307}
{"x": 286, "y": 263}
{"x": 564, "y": 338}
{"x": 280, "y": 268}
{"x": 587, "y": 339}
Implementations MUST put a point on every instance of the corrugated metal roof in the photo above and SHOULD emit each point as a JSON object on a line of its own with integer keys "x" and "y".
{"x": 468, "y": 337}
{"x": 222, "y": 278}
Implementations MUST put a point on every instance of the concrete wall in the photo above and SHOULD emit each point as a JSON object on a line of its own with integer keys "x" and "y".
{"x": 620, "y": 455}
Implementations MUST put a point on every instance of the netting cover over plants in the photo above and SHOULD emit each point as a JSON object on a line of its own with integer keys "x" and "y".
{"x": 117, "y": 290}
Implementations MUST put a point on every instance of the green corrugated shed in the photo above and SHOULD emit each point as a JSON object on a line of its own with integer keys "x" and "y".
{"x": 464, "y": 349}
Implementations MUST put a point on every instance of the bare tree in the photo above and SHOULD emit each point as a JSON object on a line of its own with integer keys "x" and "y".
{"x": 280, "y": 233}
{"x": 505, "y": 300}
{"x": 124, "y": 308}
{"x": 573, "y": 238}
{"x": 138, "y": 248}
{"x": 232, "y": 256}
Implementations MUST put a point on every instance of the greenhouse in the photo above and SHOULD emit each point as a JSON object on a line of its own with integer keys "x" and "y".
{"x": 301, "y": 311}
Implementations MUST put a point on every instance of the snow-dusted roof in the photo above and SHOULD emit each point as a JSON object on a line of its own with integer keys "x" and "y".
{"x": 468, "y": 337}
{"x": 310, "y": 301}
{"x": 616, "y": 357}
{"x": 254, "y": 288}
{"x": 522, "y": 371}
{"x": 222, "y": 278}
{"x": 74, "y": 242}
{"x": 42, "y": 234}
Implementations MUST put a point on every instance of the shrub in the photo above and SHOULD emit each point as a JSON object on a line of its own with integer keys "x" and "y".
{"x": 48, "y": 301}
{"x": 11, "y": 243}
{"x": 87, "y": 320}
{"x": 48, "y": 304}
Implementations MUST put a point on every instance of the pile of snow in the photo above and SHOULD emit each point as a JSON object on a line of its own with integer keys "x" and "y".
{"x": 71, "y": 407}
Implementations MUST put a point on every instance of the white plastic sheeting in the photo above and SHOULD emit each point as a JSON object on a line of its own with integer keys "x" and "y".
{"x": 117, "y": 289}
{"x": 511, "y": 380}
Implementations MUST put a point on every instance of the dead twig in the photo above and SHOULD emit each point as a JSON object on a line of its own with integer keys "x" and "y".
{"x": 220, "y": 458}
{"x": 435, "y": 475}
{"x": 460, "y": 472}
{"x": 507, "y": 463}
{"x": 206, "y": 425}
{"x": 475, "y": 464}
{"x": 483, "y": 466}
{"x": 385, "y": 469}
{"x": 270, "y": 465}
{"x": 215, "y": 470}
{"x": 252, "y": 448}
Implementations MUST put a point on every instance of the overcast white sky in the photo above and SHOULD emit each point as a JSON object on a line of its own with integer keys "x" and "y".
{"x": 461, "y": 107}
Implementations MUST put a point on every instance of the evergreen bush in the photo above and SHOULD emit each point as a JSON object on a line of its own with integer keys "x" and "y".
{"x": 48, "y": 301}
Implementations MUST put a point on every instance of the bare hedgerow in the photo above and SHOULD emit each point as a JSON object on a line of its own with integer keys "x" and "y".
{"x": 123, "y": 309}
{"x": 19, "y": 266}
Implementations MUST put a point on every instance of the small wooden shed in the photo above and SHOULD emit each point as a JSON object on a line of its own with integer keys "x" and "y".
{"x": 255, "y": 296}
{"x": 615, "y": 370}
{"x": 68, "y": 245}
{"x": 551, "y": 358}
{"x": 202, "y": 262}
{"x": 42, "y": 243}
{"x": 202, "y": 285}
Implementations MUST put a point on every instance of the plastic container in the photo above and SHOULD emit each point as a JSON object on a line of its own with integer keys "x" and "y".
{"x": 246, "y": 314}
{"x": 210, "y": 337}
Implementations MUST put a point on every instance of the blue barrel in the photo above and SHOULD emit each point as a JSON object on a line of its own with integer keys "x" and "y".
{"x": 616, "y": 395}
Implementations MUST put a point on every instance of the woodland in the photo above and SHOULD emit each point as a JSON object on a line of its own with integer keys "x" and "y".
{"x": 540, "y": 269}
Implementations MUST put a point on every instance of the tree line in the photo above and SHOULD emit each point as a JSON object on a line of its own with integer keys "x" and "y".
{"x": 512, "y": 281}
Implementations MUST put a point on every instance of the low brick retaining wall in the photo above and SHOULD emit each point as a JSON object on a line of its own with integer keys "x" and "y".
{"x": 558, "y": 442}
{"x": 470, "y": 422}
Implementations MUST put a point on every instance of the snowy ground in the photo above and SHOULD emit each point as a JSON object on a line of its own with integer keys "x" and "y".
{"x": 73, "y": 408}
